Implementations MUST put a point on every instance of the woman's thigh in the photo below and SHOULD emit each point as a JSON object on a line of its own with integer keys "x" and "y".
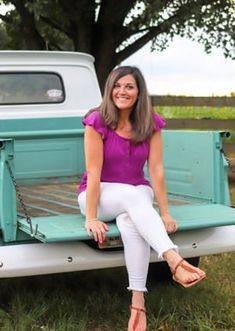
{"x": 116, "y": 198}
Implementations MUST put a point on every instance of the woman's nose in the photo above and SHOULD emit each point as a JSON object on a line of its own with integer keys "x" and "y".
{"x": 122, "y": 89}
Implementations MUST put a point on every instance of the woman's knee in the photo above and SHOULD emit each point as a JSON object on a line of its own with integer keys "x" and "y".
{"x": 124, "y": 222}
{"x": 129, "y": 233}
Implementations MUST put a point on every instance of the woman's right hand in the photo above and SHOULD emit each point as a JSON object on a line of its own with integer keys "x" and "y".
{"x": 97, "y": 228}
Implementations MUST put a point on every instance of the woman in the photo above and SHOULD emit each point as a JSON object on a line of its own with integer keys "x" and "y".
{"x": 120, "y": 136}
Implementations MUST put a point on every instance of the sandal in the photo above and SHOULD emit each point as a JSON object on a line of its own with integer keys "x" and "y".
{"x": 137, "y": 317}
{"x": 182, "y": 263}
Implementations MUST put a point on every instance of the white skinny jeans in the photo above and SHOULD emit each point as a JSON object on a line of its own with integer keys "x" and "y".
{"x": 139, "y": 224}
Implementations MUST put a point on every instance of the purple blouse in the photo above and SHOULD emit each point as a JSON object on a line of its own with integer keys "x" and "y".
{"x": 123, "y": 161}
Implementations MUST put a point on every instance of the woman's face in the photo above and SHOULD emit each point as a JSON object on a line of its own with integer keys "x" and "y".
{"x": 125, "y": 93}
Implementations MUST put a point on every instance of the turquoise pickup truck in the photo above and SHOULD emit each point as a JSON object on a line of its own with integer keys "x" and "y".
{"x": 43, "y": 96}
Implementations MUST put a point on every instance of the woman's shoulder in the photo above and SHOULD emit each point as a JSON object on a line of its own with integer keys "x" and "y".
{"x": 94, "y": 118}
{"x": 158, "y": 120}
{"x": 93, "y": 113}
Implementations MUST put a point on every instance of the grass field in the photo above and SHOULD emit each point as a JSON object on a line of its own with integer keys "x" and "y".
{"x": 98, "y": 301}
{"x": 197, "y": 112}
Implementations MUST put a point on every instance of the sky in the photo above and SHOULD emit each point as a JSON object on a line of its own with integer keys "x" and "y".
{"x": 184, "y": 69}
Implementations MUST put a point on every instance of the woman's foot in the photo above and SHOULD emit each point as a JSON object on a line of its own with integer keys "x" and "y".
{"x": 183, "y": 272}
{"x": 137, "y": 321}
{"x": 186, "y": 274}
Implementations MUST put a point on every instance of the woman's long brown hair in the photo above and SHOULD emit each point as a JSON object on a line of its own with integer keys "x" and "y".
{"x": 141, "y": 116}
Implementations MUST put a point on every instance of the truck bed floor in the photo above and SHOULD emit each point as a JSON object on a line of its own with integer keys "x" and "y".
{"x": 52, "y": 199}
{"x": 55, "y": 199}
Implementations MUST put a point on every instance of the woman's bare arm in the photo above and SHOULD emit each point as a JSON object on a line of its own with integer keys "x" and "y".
{"x": 94, "y": 160}
{"x": 157, "y": 176}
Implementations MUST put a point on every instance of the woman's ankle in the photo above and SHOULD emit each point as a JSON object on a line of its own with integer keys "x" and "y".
{"x": 172, "y": 258}
{"x": 138, "y": 299}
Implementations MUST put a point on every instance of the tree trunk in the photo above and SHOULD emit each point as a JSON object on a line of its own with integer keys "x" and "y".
{"x": 28, "y": 34}
{"x": 103, "y": 67}
{"x": 107, "y": 34}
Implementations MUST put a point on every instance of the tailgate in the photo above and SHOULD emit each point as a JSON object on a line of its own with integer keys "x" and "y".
{"x": 71, "y": 227}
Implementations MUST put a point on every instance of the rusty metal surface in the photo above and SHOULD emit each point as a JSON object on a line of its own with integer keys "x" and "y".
{"x": 55, "y": 199}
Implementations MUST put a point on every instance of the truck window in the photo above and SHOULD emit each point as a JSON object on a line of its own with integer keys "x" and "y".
{"x": 30, "y": 88}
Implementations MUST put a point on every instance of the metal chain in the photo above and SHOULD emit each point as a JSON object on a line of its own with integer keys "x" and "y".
{"x": 20, "y": 199}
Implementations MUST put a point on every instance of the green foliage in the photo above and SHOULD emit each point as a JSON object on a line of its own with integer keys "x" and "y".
{"x": 4, "y": 38}
{"x": 113, "y": 30}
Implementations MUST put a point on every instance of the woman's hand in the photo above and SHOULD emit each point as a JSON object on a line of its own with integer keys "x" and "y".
{"x": 170, "y": 223}
{"x": 97, "y": 228}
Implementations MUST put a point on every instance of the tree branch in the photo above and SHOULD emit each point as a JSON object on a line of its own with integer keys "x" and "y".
{"x": 184, "y": 12}
{"x": 31, "y": 37}
{"x": 6, "y": 19}
{"x": 53, "y": 24}
{"x": 139, "y": 43}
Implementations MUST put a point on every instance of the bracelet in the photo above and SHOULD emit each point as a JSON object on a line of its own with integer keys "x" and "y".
{"x": 92, "y": 219}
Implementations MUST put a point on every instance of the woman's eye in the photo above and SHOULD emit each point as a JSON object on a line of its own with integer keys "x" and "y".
{"x": 124, "y": 87}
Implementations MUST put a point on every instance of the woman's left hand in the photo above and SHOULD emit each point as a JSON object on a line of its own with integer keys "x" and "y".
{"x": 170, "y": 223}
{"x": 97, "y": 228}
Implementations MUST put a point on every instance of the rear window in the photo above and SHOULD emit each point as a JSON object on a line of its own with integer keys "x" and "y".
{"x": 30, "y": 88}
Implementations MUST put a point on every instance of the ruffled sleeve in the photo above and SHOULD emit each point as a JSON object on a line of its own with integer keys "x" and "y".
{"x": 95, "y": 120}
{"x": 159, "y": 121}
